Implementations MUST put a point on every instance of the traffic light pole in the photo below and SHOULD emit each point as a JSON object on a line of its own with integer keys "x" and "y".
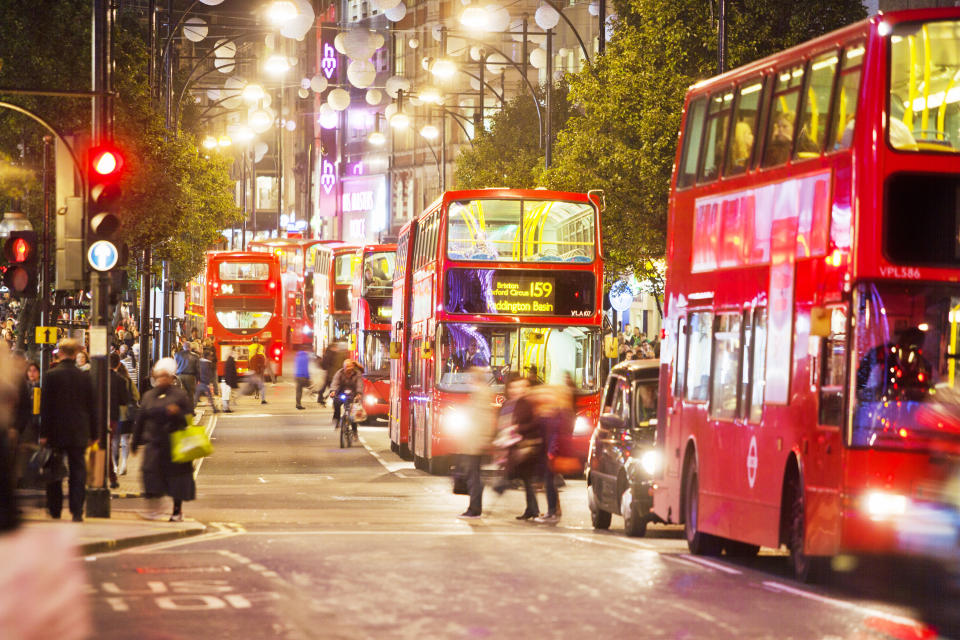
{"x": 98, "y": 495}
{"x": 47, "y": 259}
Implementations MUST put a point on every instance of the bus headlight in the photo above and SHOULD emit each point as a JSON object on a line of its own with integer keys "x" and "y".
{"x": 881, "y": 505}
{"x": 307, "y": 330}
{"x": 370, "y": 399}
{"x": 581, "y": 426}
{"x": 650, "y": 461}
{"x": 455, "y": 421}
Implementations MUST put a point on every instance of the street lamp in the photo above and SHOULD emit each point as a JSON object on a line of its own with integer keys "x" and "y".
{"x": 429, "y": 132}
{"x": 260, "y": 120}
{"x": 281, "y": 12}
{"x": 276, "y": 65}
{"x": 209, "y": 142}
{"x": 224, "y": 141}
{"x": 252, "y": 93}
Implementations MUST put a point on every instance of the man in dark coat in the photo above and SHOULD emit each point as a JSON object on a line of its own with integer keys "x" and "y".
{"x": 163, "y": 410}
{"x": 231, "y": 378}
{"x": 67, "y": 425}
{"x": 187, "y": 363}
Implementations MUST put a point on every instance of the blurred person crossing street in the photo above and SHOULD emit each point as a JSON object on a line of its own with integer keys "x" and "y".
{"x": 478, "y": 430}
{"x": 301, "y": 372}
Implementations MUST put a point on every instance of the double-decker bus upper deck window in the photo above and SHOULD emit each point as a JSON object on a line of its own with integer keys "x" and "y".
{"x": 343, "y": 269}
{"x": 847, "y": 96}
{"x": 484, "y": 230}
{"x": 555, "y": 231}
{"x": 924, "y": 100}
{"x": 692, "y": 134}
{"x": 698, "y": 356}
{"x": 814, "y": 126}
{"x": 244, "y": 271}
{"x": 726, "y": 360}
{"x": 745, "y": 115}
{"x": 718, "y": 123}
{"x": 378, "y": 273}
{"x": 781, "y": 124}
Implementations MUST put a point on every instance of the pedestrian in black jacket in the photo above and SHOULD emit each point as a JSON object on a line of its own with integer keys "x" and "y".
{"x": 230, "y": 377}
{"x": 66, "y": 424}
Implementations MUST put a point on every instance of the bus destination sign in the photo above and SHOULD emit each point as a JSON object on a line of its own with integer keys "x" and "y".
{"x": 510, "y": 292}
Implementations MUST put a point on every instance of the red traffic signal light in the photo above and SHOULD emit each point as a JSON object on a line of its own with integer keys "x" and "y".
{"x": 18, "y": 250}
{"x": 105, "y": 162}
{"x": 21, "y": 272}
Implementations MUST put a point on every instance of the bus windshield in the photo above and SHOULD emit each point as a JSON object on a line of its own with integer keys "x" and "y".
{"x": 243, "y": 315}
{"x": 244, "y": 271}
{"x": 554, "y": 352}
{"x": 924, "y": 105}
{"x": 343, "y": 269}
{"x": 378, "y": 273}
{"x": 376, "y": 354}
{"x": 906, "y": 344}
{"x": 521, "y": 231}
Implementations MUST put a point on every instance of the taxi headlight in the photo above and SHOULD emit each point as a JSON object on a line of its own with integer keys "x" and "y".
{"x": 650, "y": 461}
{"x": 455, "y": 421}
{"x": 370, "y": 399}
{"x": 581, "y": 426}
{"x": 880, "y": 505}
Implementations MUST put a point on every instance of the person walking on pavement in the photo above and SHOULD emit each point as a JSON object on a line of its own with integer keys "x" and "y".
{"x": 164, "y": 409}
{"x": 477, "y": 437}
{"x": 66, "y": 424}
{"x": 347, "y": 378}
{"x": 128, "y": 414}
{"x": 258, "y": 365}
{"x": 230, "y": 378}
{"x": 119, "y": 397}
{"x": 301, "y": 372}
{"x": 331, "y": 361}
{"x": 187, "y": 362}
{"x": 206, "y": 376}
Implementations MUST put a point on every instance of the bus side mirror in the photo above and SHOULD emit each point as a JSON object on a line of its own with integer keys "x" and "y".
{"x": 395, "y": 351}
{"x": 820, "y": 321}
{"x": 610, "y": 347}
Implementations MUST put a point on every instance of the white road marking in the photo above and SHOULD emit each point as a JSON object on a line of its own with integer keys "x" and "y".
{"x": 682, "y": 560}
{"x": 842, "y": 604}
{"x": 719, "y": 566}
{"x": 260, "y": 478}
{"x": 210, "y": 427}
{"x": 392, "y": 466}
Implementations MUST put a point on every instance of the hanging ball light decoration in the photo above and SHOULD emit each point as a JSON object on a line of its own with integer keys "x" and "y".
{"x": 318, "y": 83}
{"x": 211, "y": 3}
{"x": 303, "y": 93}
{"x": 338, "y": 99}
{"x": 413, "y": 43}
{"x": 546, "y": 17}
{"x": 361, "y": 73}
{"x": 538, "y": 58}
{"x": 397, "y": 13}
{"x": 260, "y": 120}
{"x": 374, "y": 96}
{"x": 338, "y": 43}
{"x": 594, "y": 8}
{"x": 195, "y": 29}
{"x": 327, "y": 117}
{"x": 386, "y": 5}
{"x": 304, "y": 83}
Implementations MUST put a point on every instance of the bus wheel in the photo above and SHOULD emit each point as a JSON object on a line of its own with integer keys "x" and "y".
{"x": 599, "y": 518}
{"x": 634, "y": 522}
{"x": 394, "y": 447}
{"x": 404, "y": 451}
{"x": 809, "y": 569}
{"x": 700, "y": 543}
{"x": 737, "y": 549}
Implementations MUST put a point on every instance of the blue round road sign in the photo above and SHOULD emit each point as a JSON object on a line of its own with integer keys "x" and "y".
{"x": 103, "y": 255}
{"x": 621, "y": 295}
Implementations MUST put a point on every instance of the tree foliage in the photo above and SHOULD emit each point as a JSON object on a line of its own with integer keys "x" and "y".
{"x": 623, "y": 137}
{"x": 510, "y": 154}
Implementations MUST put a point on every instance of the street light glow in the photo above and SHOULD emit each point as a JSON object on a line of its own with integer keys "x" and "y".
{"x": 474, "y": 17}
{"x": 260, "y": 120}
{"x": 244, "y": 134}
{"x": 281, "y": 12}
{"x": 224, "y": 141}
{"x": 443, "y": 68}
{"x": 431, "y": 95}
{"x": 276, "y": 65}
{"x": 252, "y": 93}
{"x": 209, "y": 142}
{"x": 429, "y": 132}
{"x": 377, "y": 139}
{"x": 400, "y": 120}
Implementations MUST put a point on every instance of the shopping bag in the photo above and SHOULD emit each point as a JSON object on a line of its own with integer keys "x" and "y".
{"x": 225, "y": 390}
{"x": 96, "y": 461}
{"x": 45, "y": 466}
{"x": 189, "y": 444}
{"x": 358, "y": 413}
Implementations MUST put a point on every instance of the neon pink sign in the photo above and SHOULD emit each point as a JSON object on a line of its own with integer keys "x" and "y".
{"x": 328, "y": 177}
{"x": 329, "y": 61}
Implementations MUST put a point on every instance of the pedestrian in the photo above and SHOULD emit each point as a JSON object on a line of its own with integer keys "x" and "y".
{"x": 163, "y": 410}
{"x": 66, "y": 424}
{"x": 119, "y": 397}
{"x": 83, "y": 360}
{"x": 533, "y": 376}
{"x": 301, "y": 372}
{"x": 515, "y": 387}
{"x": 128, "y": 415}
{"x": 230, "y": 378}
{"x": 129, "y": 361}
{"x": 330, "y": 362}
{"x": 187, "y": 362}
{"x": 478, "y": 433}
{"x": 206, "y": 377}
{"x": 258, "y": 367}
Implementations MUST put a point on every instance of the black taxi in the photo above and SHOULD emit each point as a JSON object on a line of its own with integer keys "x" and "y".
{"x": 623, "y": 459}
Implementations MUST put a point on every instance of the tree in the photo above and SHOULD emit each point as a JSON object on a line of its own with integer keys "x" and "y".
{"x": 510, "y": 153}
{"x": 623, "y": 137}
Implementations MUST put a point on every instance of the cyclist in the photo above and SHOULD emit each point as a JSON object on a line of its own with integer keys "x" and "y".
{"x": 348, "y": 378}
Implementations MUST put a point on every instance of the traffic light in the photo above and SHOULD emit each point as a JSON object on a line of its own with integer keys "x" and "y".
{"x": 105, "y": 169}
{"x": 21, "y": 271}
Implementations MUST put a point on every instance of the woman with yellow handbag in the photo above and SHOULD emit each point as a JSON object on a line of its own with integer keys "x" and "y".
{"x": 164, "y": 409}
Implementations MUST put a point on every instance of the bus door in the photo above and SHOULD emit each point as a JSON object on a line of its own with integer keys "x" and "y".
{"x": 673, "y": 451}
{"x": 823, "y": 468}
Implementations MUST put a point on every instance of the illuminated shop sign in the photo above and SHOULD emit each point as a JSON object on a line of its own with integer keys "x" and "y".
{"x": 328, "y": 177}
{"x": 329, "y": 61}
{"x": 516, "y": 293}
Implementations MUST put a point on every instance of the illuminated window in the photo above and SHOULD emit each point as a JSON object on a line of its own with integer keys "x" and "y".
{"x": 816, "y": 103}
{"x": 846, "y": 98}
{"x": 726, "y": 360}
{"x": 698, "y": 356}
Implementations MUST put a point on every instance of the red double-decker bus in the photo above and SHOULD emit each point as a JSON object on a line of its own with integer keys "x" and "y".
{"x": 399, "y": 415}
{"x": 317, "y": 293}
{"x": 808, "y": 372}
{"x": 296, "y": 269}
{"x": 242, "y": 303}
{"x": 371, "y": 315}
{"x": 504, "y": 280}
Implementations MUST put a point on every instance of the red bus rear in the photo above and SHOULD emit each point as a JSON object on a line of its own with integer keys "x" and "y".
{"x": 371, "y": 316}
{"x": 341, "y": 290}
{"x": 505, "y": 280}
{"x": 295, "y": 271}
{"x": 243, "y": 303}
{"x": 399, "y": 415}
{"x": 808, "y": 376}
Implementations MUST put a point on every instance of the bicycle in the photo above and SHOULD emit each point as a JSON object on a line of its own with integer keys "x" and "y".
{"x": 346, "y": 425}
